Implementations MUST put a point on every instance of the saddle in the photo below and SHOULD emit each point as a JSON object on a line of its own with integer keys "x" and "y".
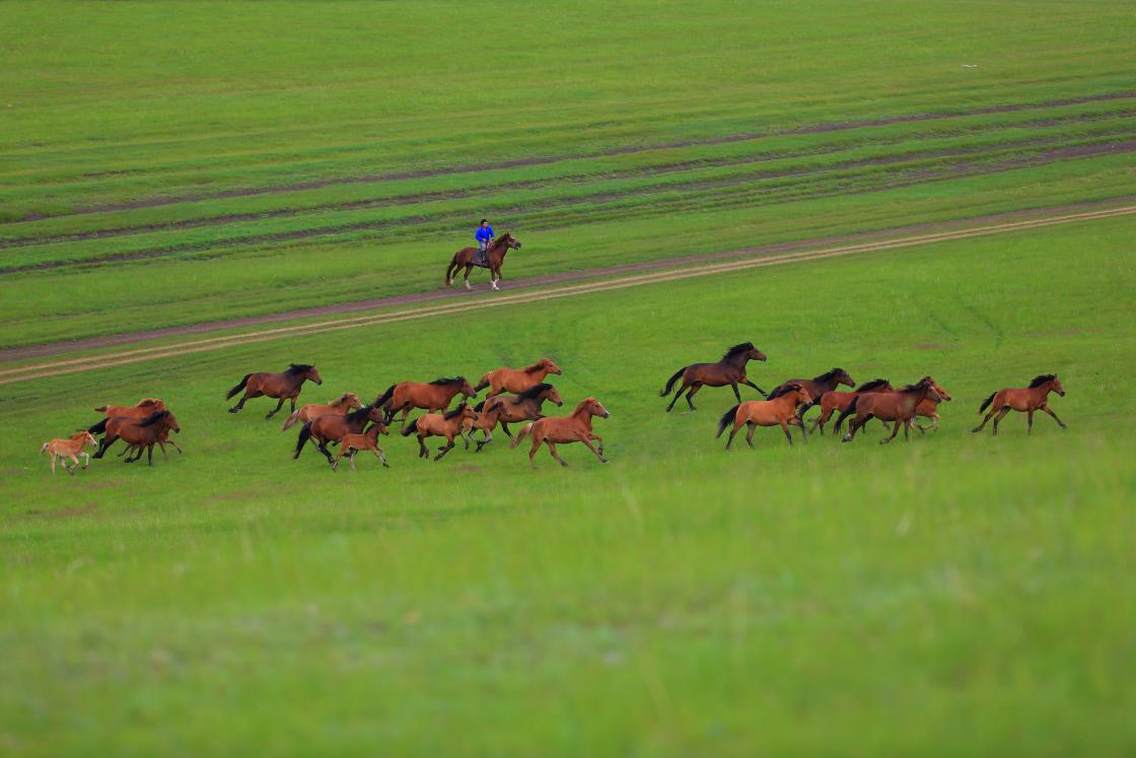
{"x": 481, "y": 258}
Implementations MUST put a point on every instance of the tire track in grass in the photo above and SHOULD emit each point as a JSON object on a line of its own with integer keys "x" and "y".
{"x": 77, "y": 365}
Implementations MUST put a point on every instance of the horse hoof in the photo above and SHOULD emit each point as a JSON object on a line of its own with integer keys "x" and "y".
{"x": 467, "y": 286}
{"x": 234, "y": 410}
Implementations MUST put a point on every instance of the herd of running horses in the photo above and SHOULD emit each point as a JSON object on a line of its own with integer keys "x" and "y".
{"x": 517, "y": 396}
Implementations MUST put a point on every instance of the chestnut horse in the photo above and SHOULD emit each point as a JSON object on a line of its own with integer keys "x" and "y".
{"x": 141, "y": 410}
{"x": 72, "y": 447}
{"x": 348, "y": 401}
{"x": 516, "y": 379}
{"x": 837, "y": 401}
{"x": 354, "y": 443}
{"x": 730, "y": 370}
{"x": 429, "y": 396}
{"x": 507, "y": 409}
{"x": 448, "y": 425}
{"x": 286, "y": 386}
{"x": 565, "y": 429}
{"x": 495, "y": 256}
{"x": 898, "y": 406}
{"x": 141, "y": 435}
{"x": 929, "y": 408}
{"x": 1025, "y": 400}
{"x": 819, "y": 385}
{"x": 331, "y": 428}
{"x": 779, "y": 409}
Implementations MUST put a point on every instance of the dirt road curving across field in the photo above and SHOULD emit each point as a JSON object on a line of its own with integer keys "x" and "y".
{"x": 532, "y": 290}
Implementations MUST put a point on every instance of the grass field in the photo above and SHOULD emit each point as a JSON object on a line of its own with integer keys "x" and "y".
{"x": 176, "y": 164}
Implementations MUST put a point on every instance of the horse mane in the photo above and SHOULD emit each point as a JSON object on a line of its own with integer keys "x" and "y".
{"x": 536, "y": 366}
{"x": 924, "y": 382}
{"x": 784, "y": 389}
{"x": 360, "y": 413}
{"x": 455, "y": 412}
{"x": 444, "y": 380}
{"x": 153, "y": 418}
{"x": 533, "y": 391}
{"x": 739, "y": 348}
{"x": 829, "y": 374}
{"x": 298, "y": 368}
{"x": 1041, "y": 379}
{"x": 874, "y": 384}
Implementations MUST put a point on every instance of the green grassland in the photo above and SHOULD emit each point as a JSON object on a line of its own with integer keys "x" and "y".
{"x": 242, "y": 159}
{"x": 953, "y": 594}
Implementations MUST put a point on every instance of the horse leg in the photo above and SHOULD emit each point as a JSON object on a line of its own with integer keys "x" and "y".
{"x": 322, "y": 447}
{"x": 1048, "y": 410}
{"x": 693, "y": 391}
{"x": 53, "y": 457}
{"x": 788, "y": 434}
{"x": 750, "y": 429}
{"x": 734, "y": 387}
{"x": 598, "y": 439}
{"x": 733, "y": 433}
{"x": 676, "y": 397}
{"x": 853, "y": 427}
{"x": 240, "y": 403}
{"x": 998, "y": 419}
{"x": 804, "y": 434}
{"x": 598, "y": 453}
{"x": 86, "y": 459}
{"x": 556, "y": 455}
{"x": 279, "y": 405}
{"x": 484, "y": 442}
{"x": 989, "y": 415}
{"x": 378, "y": 451}
{"x": 422, "y": 451}
{"x": 445, "y": 449}
{"x": 894, "y": 431}
{"x": 494, "y": 277}
{"x": 505, "y": 429}
{"x": 149, "y": 454}
{"x": 1029, "y": 422}
{"x": 468, "y": 271}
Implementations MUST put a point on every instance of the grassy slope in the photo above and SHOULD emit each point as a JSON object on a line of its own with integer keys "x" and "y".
{"x": 131, "y": 102}
{"x": 679, "y": 600}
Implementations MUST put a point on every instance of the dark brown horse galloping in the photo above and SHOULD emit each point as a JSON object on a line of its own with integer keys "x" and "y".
{"x": 730, "y": 370}
{"x": 833, "y": 401}
{"x": 429, "y": 396}
{"x": 330, "y": 428}
{"x": 1026, "y": 400}
{"x": 898, "y": 406}
{"x": 285, "y": 386}
{"x": 507, "y": 409}
{"x": 818, "y": 385}
{"x": 494, "y": 257}
{"x": 140, "y": 435}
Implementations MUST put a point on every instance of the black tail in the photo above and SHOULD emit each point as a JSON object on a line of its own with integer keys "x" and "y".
{"x": 98, "y": 428}
{"x": 305, "y": 434}
{"x": 727, "y": 419}
{"x": 239, "y": 387}
{"x": 384, "y": 397}
{"x": 410, "y": 428}
{"x": 987, "y": 402}
{"x": 671, "y": 382}
{"x": 482, "y": 384}
{"x": 845, "y": 413}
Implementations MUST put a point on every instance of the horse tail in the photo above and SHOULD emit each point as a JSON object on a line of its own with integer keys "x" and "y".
{"x": 410, "y": 428}
{"x": 845, "y": 413}
{"x": 102, "y": 408}
{"x": 727, "y": 417}
{"x": 670, "y": 382}
{"x": 987, "y": 402}
{"x": 239, "y": 387}
{"x": 482, "y": 384}
{"x": 305, "y": 434}
{"x": 98, "y": 428}
{"x": 522, "y": 434}
{"x": 382, "y": 399}
{"x": 291, "y": 420}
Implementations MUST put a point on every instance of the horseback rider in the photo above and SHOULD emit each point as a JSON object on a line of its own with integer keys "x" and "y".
{"x": 484, "y": 237}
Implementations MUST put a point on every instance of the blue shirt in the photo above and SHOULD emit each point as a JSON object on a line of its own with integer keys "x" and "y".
{"x": 483, "y": 234}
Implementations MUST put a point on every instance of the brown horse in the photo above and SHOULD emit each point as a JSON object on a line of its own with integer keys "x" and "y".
{"x": 929, "y": 408}
{"x": 331, "y": 428}
{"x": 141, "y": 410}
{"x": 507, "y": 409}
{"x": 516, "y": 379}
{"x": 837, "y": 401}
{"x": 141, "y": 435}
{"x": 355, "y": 443}
{"x": 448, "y": 425}
{"x": 1025, "y": 400}
{"x": 429, "y": 396}
{"x": 730, "y": 370}
{"x": 285, "y": 386}
{"x": 72, "y": 447}
{"x": 898, "y": 406}
{"x": 779, "y": 409}
{"x": 819, "y": 385}
{"x": 162, "y": 440}
{"x": 494, "y": 257}
{"x": 564, "y": 429}
{"x": 348, "y": 401}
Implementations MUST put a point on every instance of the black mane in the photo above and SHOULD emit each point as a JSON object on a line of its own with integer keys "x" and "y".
{"x": 448, "y": 380}
{"x": 744, "y": 347}
{"x": 784, "y": 389}
{"x": 153, "y": 418}
{"x": 362, "y": 413}
{"x": 455, "y": 412}
{"x": 298, "y": 368}
{"x": 829, "y": 375}
{"x": 1042, "y": 379}
{"x": 874, "y": 384}
{"x": 533, "y": 391}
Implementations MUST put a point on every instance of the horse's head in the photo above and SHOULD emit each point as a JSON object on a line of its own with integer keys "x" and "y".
{"x": 86, "y": 437}
{"x": 548, "y": 365}
{"x": 926, "y": 386}
{"x": 938, "y": 389}
{"x": 376, "y": 415}
{"x": 465, "y": 387}
{"x": 552, "y": 394}
{"x": 509, "y": 241}
{"x": 377, "y": 428}
{"x": 753, "y": 354}
{"x": 1057, "y": 386}
{"x": 305, "y": 371}
{"x": 347, "y": 400}
{"x": 804, "y": 397}
{"x": 841, "y": 376}
{"x": 592, "y": 407}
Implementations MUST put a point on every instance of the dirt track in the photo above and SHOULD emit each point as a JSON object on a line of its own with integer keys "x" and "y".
{"x": 534, "y": 290}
